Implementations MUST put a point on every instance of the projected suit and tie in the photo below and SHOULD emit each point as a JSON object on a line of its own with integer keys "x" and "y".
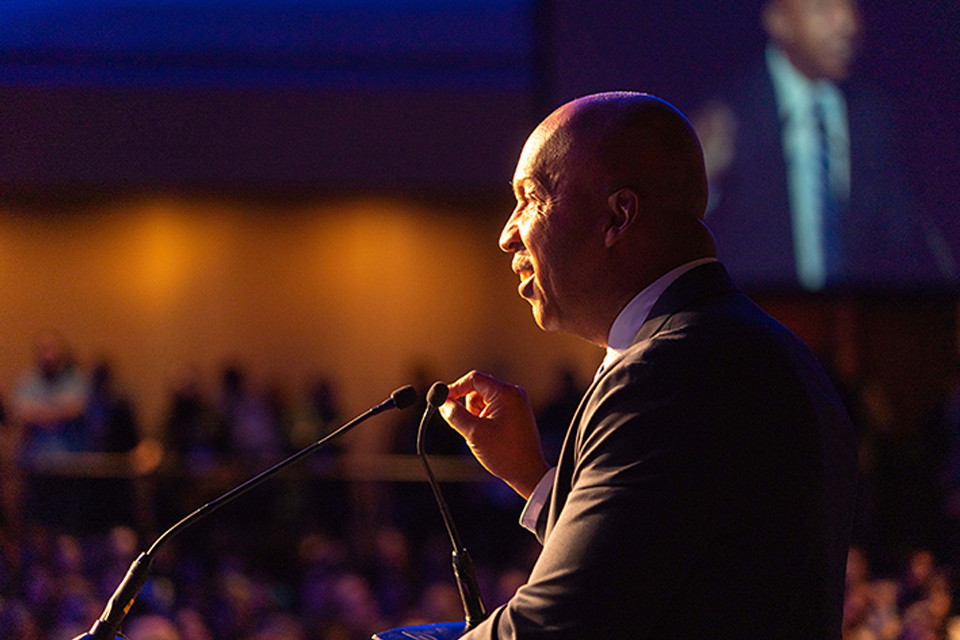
{"x": 806, "y": 181}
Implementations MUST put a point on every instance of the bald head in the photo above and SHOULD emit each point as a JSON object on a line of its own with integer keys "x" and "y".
{"x": 611, "y": 191}
{"x": 636, "y": 141}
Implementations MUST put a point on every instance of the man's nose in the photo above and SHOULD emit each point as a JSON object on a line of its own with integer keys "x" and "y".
{"x": 510, "y": 240}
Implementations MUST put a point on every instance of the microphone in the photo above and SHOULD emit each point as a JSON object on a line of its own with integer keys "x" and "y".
{"x": 473, "y": 609}
{"x": 107, "y": 627}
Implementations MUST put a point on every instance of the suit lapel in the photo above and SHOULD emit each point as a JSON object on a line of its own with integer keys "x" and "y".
{"x": 697, "y": 284}
{"x": 705, "y": 281}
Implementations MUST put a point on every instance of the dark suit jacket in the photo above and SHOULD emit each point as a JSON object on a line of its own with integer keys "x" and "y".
{"x": 705, "y": 488}
{"x": 885, "y": 241}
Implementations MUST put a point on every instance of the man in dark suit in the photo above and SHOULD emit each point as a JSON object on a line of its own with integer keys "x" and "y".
{"x": 805, "y": 173}
{"x": 705, "y": 486}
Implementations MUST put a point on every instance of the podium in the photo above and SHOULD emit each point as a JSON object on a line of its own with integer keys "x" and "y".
{"x": 439, "y": 631}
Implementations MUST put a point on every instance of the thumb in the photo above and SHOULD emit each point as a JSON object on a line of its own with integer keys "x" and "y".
{"x": 458, "y": 417}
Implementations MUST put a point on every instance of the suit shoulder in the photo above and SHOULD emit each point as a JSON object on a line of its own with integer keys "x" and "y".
{"x": 727, "y": 346}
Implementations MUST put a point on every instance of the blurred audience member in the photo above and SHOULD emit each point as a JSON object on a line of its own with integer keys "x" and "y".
{"x": 48, "y": 410}
{"x": 195, "y": 443}
{"x": 944, "y": 422}
{"x": 278, "y": 626}
{"x": 393, "y": 578}
{"x": 151, "y": 627}
{"x": 16, "y": 621}
{"x": 929, "y": 617}
{"x": 322, "y": 560}
{"x": 858, "y": 567}
{"x": 856, "y": 607}
{"x": 254, "y": 443}
{"x": 111, "y": 419}
{"x": 316, "y": 415}
{"x": 555, "y": 415}
{"x": 112, "y": 427}
{"x": 9, "y": 476}
{"x": 441, "y": 603}
{"x": 191, "y": 428}
{"x": 884, "y": 617}
{"x": 282, "y": 413}
{"x": 252, "y": 428}
{"x": 356, "y": 606}
{"x": 317, "y": 501}
{"x": 192, "y": 625}
{"x": 376, "y": 502}
{"x": 50, "y": 399}
{"x": 917, "y": 579}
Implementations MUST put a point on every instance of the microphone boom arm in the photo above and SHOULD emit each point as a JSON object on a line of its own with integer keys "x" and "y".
{"x": 107, "y": 627}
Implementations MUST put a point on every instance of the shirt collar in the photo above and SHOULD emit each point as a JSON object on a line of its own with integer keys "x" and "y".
{"x": 632, "y": 317}
{"x": 795, "y": 91}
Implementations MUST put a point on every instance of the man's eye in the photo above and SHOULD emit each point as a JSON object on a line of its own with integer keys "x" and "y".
{"x": 535, "y": 205}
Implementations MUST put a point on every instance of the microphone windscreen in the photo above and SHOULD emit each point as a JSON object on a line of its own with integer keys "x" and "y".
{"x": 404, "y": 397}
{"x": 437, "y": 394}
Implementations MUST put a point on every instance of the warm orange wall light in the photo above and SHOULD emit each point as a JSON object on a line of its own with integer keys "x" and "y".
{"x": 360, "y": 289}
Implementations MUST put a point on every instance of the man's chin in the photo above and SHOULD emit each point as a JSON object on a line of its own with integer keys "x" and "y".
{"x": 544, "y": 321}
{"x": 839, "y": 70}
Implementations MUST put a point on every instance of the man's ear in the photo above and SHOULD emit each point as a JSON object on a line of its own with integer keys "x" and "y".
{"x": 623, "y": 209}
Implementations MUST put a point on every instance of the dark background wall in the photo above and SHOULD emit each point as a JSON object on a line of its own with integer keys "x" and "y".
{"x": 108, "y": 102}
{"x": 381, "y": 94}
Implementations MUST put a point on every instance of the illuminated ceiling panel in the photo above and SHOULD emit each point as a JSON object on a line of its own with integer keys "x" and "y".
{"x": 351, "y": 44}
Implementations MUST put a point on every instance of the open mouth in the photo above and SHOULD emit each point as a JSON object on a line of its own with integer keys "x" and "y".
{"x": 524, "y": 269}
{"x": 526, "y": 285}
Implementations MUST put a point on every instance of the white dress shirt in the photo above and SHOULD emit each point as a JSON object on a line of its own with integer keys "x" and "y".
{"x": 624, "y": 329}
{"x": 797, "y": 96}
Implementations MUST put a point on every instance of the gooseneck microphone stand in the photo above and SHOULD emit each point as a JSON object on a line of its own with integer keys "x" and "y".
{"x": 107, "y": 627}
{"x": 473, "y": 610}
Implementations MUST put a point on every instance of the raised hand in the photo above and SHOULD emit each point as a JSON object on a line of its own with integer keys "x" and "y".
{"x": 496, "y": 420}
